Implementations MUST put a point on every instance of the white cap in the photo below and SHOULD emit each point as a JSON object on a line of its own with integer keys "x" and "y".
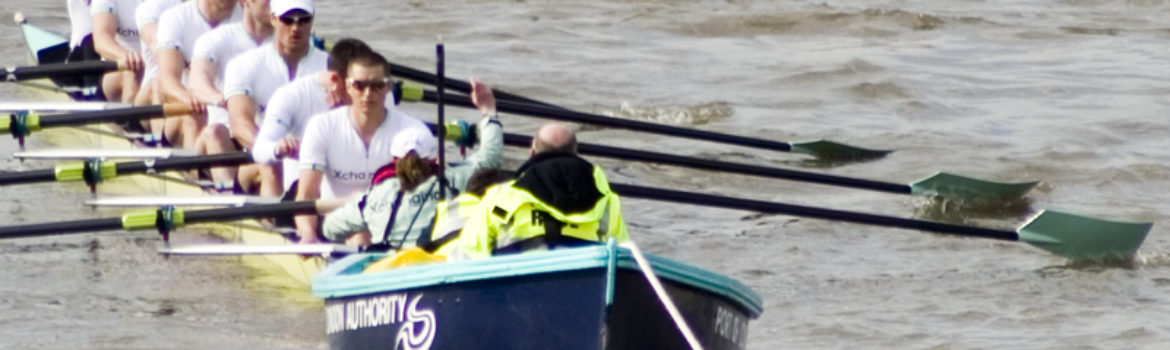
{"x": 281, "y": 7}
{"x": 419, "y": 140}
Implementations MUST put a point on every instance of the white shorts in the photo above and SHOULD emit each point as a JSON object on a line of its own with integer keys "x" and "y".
{"x": 218, "y": 115}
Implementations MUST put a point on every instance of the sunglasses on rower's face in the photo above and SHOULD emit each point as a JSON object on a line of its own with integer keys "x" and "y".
{"x": 290, "y": 20}
{"x": 376, "y": 84}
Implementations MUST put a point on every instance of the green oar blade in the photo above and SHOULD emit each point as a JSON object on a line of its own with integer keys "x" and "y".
{"x": 829, "y": 150}
{"x": 958, "y": 186}
{"x": 1078, "y": 237}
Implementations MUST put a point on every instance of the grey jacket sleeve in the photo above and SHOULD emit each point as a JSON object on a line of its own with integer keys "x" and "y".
{"x": 345, "y": 221}
{"x": 491, "y": 145}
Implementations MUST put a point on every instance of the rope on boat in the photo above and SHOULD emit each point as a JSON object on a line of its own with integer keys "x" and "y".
{"x": 665, "y": 298}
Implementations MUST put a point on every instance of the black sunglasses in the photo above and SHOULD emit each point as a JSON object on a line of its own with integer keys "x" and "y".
{"x": 290, "y": 20}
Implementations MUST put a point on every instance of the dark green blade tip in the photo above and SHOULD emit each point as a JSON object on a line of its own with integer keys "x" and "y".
{"x": 829, "y": 150}
{"x": 1079, "y": 237}
{"x": 963, "y": 187}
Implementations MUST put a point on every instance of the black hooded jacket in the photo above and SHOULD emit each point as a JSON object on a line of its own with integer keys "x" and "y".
{"x": 563, "y": 181}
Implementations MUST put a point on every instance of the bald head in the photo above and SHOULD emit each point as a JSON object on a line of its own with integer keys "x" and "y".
{"x": 554, "y": 138}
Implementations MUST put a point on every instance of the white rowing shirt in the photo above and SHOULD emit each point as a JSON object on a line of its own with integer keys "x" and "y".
{"x": 148, "y": 12}
{"x": 180, "y": 26}
{"x": 219, "y": 46}
{"x": 126, "y": 33}
{"x": 222, "y": 44}
{"x": 80, "y": 21}
{"x": 288, "y": 113}
{"x": 258, "y": 72}
{"x": 332, "y": 146}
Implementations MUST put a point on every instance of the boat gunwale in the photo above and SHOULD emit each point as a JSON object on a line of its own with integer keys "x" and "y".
{"x": 343, "y": 278}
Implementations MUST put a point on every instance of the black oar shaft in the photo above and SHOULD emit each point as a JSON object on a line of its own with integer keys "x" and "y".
{"x": 57, "y": 69}
{"x": 596, "y": 119}
{"x": 135, "y": 167}
{"x": 696, "y": 163}
{"x": 250, "y": 211}
{"x": 798, "y": 210}
{"x": 106, "y": 116}
{"x": 181, "y": 163}
{"x": 190, "y": 217}
{"x": 55, "y": 228}
{"x": 31, "y": 176}
{"x": 459, "y": 85}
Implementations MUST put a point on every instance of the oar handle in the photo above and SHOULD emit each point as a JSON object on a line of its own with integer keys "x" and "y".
{"x": 812, "y": 212}
{"x": 596, "y": 119}
{"x": 460, "y": 85}
{"x": 58, "y": 69}
{"x": 115, "y": 115}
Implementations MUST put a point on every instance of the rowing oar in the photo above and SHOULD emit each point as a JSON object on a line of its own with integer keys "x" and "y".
{"x": 1068, "y": 235}
{"x": 71, "y": 106}
{"x": 58, "y": 70}
{"x": 95, "y": 170}
{"x": 23, "y": 123}
{"x": 1071, "y": 236}
{"x": 460, "y": 85}
{"x": 821, "y": 149}
{"x": 940, "y": 184}
{"x": 164, "y": 219}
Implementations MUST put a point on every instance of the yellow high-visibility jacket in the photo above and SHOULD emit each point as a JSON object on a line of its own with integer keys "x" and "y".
{"x": 558, "y": 200}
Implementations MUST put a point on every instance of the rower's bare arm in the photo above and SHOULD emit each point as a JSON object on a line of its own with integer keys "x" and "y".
{"x": 170, "y": 75}
{"x": 242, "y": 109}
{"x": 147, "y": 34}
{"x": 202, "y": 80}
{"x": 308, "y": 188}
{"x": 105, "y": 26}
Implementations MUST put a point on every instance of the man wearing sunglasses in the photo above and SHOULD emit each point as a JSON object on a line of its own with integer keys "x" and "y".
{"x": 252, "y": 77}
{"x": 343, "y": 148}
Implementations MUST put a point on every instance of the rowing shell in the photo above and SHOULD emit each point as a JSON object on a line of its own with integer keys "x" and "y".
{"x": 47, "y": 47}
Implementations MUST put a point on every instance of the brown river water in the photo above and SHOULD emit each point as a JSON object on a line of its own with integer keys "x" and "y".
{"x": 1071, "y": 93}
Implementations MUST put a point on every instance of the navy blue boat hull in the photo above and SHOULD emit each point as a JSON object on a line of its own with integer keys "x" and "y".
{"x": 551, "y": 310}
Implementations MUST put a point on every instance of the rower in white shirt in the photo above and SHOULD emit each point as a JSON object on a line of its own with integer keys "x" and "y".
{"x": 178, "y": 29}
{"x": 291, "y": 106}
{"x": 115, "y": 37}
{"x": 146, "y": 17}
{"x": 209, "y": 62}
{"x": 346, "y": 146}
{"x": 80, "y": 22}
{"x": 253, "y": 77}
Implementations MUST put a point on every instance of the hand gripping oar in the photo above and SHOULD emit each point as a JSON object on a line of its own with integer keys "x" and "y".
{"x": 58, "y": 70}
{"x": 165, "y": 219}
{"x": 95, "y": 170}
{"x": 23, "y": 123}
{"x": 940, "y": 184}
{"x": 1068, "y": 235}
{"x": 822, "y": 149}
